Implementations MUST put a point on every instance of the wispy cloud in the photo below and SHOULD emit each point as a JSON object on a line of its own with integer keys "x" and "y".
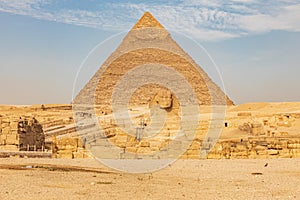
{"x": 202, "y": 19}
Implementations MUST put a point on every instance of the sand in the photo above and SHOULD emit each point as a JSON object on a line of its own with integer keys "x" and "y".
{"x": 185, "y": 179}
{"x": 24, "y": 178}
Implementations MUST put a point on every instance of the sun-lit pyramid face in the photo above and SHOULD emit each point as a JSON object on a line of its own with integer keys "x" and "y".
{"x": 147, "y": 21}
{"x": 148, "y": 42}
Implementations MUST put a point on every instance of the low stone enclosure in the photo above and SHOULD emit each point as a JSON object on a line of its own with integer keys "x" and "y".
{"x": 26, "y": 134}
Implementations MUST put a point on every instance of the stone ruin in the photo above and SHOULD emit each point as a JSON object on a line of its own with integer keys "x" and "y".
{"x": 68, "y": 148}
{"x": 23, "y": 134}
{"x": 268, "y": 126}
{"x": 254, "y": 128}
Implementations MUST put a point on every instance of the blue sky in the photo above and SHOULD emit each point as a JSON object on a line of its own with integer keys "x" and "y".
{"x": 255, "y": 44}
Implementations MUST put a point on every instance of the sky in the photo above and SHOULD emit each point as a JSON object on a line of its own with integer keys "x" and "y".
{"x": 255, "y": 44}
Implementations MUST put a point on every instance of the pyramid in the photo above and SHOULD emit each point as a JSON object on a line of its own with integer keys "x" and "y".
{"x": 147, "y": 21}
{"x": 148, "y": 42}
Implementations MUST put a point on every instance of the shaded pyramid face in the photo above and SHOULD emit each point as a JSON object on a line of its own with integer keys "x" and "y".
{"x": 143, "y": 53}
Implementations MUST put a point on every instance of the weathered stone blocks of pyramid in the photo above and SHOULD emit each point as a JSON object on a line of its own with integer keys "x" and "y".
{"x": 148, "y": 42}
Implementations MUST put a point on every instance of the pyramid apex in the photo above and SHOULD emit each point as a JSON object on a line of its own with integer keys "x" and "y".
{"x": 147, "y": 21}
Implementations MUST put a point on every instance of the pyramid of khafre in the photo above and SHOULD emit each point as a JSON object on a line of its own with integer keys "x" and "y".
{"x": 148, "y": 42}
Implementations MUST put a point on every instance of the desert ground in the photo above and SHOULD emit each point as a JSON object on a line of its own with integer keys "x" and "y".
{"x": 270, "y": 168}
{"x": 184, "y": 179}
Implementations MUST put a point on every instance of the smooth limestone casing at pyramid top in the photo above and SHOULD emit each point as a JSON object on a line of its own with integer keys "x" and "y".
{"x": 148, "y": 42}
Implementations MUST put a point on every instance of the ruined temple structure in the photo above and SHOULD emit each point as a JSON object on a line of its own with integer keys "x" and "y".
{"x": 148, "y": 42}
{"x": 24, "y": 134}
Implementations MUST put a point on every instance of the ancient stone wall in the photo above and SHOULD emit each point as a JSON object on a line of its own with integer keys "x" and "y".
{"x": 68, "y": 148}
{"x": 21, "y": 134}
{"x": 259, "y": 147}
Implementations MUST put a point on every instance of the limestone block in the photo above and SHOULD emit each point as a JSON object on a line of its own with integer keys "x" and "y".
{"x": 67, "y": 143}
{"x": 252, "y": 155}
{"x": 9, "y": 148}
{"x": 5, "y": 121}
{"x": 14, "y": 132}
{"x": 154, "y": 149}
{"x": 80, "y": 143}
{"x": 284, "y": 124}
{"x": 271, "y": 145}
{"x": 131, "y": 149}
{"x": 131, "y": 142}
{"x": 272, "y": 152}
{"x": 14, "y": 125}
{"x": 285, "y": 153}
{"x": 78, "y": 155}
{"x": 65, "y": 154}
{"x": 218, "y": 148}
{"x": 241, "y": 147}
{"x": 145, "y": 144}
{"x": 195, "y": 145}
{"x": 121, "y": 138}
{"x": 2, "y": 139}
{"x": 262, "y": 153}
{"x": 193, "y": 152}
{"x": 284, "y": 144}
{"x": 239, "y": 155}
{"x": 291, "y": 146}
{"x": 260, "y": 148}
{"x": 71, "y": 147}
{"x": 295, "y": 153}
{"x": 11, "y": 139}
{"x": 6, "y": 130}
{"x": 297, "y": 146}
{"x": 144, "y": 150}
{"x": 110, "y": 132}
